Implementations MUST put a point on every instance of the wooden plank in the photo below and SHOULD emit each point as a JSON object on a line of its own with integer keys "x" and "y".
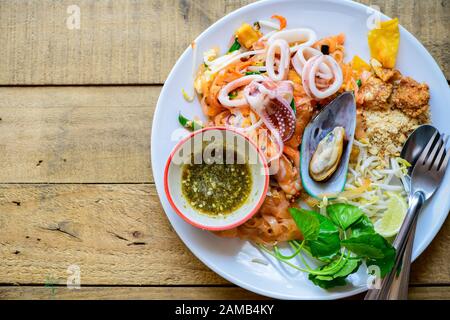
{"x": 76, "y": 134}
{"x": 169, "y": 293}
{"x": 132, "y": 293}
{"x": 118, "y": 235}
{"x": 119, "y": 41}
{"x": 435, "y": 259}
{"x": 138, "y": 42}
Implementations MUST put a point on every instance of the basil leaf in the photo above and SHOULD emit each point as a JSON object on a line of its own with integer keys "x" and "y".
{"x": 362, "y": 226}
{"x": 371, "y": 246}
{"x": 349, "y": 266}
{"x": 320, "y": 234}
{"x": 327, "y": 284}
{"x": 344, "y": 215}
{"x": 307, "y": 223}
{"x": 327, "y": 243}
{"x": 235, "y": 46}
{"x": 385, "y": 264}
{"x": 249, "y": 73}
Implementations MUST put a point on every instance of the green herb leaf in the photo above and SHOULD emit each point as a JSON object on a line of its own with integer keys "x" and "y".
{"x": 293, "y": 106}
{"x": 385, "y": 264}
{"x": 327, "y": 284}
{"x": 371, "y": 246}
{"x": 306, "y": 222}
{"x": 321, "y": 235}
{"x": 359, "y": 83}
{"x": 344, "y": 215}
{"x": 249, "y": 73}
{"x": 182, "y": 120}
{"x": 233, "y": 94}
{"x": 362, "y": 226}
{"x": 350, "y": 266}
{"x": 191, "y": 125}
{"x": 328, "y": 242}
{"x": 235, "y": 46}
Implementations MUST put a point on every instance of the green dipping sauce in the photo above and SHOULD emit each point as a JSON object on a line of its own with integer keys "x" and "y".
{"x": 216, "y": 188}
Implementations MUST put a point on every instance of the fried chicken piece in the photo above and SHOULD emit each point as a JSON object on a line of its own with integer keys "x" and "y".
{"x": 375, "y": 93}
{"x": 385, "y": 74}
{"x": 411, "y": 97}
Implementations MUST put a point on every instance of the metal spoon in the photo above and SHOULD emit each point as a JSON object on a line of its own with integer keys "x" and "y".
{"x": 411, "y": 151}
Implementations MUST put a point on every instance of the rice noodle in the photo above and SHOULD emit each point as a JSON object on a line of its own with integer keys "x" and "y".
{"x": 272, "y": 224}
{"x": 216, "y": 66}
{"x": 257, "y": 68}
{"x": 269, "y": 24}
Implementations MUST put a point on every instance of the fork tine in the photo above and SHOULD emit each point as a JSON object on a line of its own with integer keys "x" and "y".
{"x": 437, "y": 147}
{"x": 424, "y": 154}
{"x": 440, "y": 156}
{"x": 446, "y": 159}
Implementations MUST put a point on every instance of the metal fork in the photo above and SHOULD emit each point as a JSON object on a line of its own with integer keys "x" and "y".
{"x": 426, "y": 177}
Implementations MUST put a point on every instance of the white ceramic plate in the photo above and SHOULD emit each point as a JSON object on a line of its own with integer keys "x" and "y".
{"x": 232, "y": 258}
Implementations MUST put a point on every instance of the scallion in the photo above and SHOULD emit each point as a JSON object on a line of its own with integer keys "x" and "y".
{"x": 235, "y": 46}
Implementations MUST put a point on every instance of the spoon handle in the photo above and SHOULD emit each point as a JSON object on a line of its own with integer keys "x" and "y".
{"x": 400, "y": 285}
{"x": 399, "y": 244}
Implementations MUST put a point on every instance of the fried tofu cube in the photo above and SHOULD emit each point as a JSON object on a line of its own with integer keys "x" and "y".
{"x": 247, "y": 35}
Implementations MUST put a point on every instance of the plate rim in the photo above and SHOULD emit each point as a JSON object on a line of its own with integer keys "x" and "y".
{"x": 210, "y": 264}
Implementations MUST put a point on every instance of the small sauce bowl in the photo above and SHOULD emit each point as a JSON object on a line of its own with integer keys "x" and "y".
{"x": 232, "y": 140}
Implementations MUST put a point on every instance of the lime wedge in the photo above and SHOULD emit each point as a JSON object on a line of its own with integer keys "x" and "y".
{"x": 390, "y": 223}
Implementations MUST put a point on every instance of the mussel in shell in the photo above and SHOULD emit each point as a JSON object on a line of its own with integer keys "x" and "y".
{"x": 327, "y": 156}
{"x": 326, "y": 146}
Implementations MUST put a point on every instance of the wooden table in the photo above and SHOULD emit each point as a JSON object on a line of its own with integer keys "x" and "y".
{"x": 76, "y": 186}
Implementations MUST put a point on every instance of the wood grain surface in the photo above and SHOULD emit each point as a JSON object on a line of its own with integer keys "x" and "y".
{"x": 76, "y": 134}
{"x": 118, "y": 234}
{"x": 183, "y": 293}
{"x": 137, "y": 42}
{"x": 76, "y": 185}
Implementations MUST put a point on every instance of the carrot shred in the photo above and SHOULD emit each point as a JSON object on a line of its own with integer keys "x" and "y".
{"x": 283, "y": 22}
{"x": 333, "y": 42}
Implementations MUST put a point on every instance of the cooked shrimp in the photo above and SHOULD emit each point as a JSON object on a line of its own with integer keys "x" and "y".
{"x": 288, "y": 176}
{"x": 303, "y": 116}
